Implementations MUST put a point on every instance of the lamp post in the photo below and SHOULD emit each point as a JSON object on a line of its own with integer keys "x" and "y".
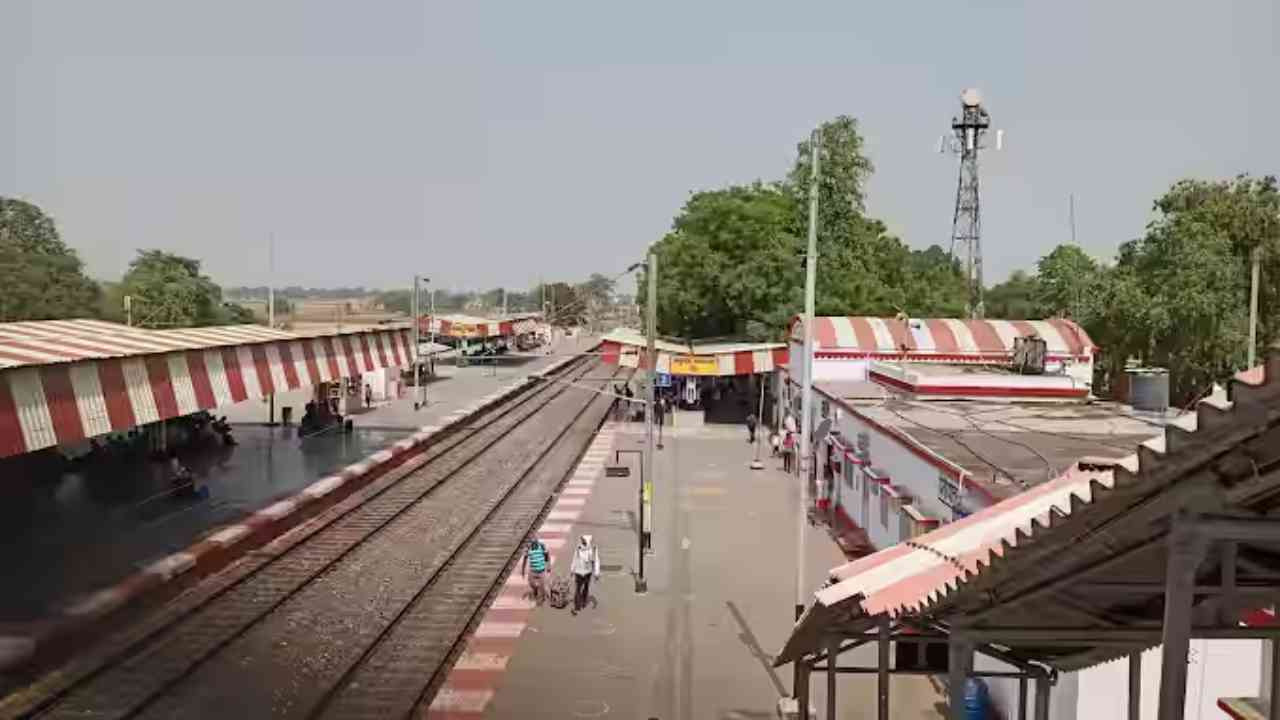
{"x": 806, "y": 398}
{"x": 417, "y": 341}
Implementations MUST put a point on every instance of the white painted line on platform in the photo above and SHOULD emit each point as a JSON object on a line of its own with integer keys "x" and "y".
{"x": 381, "y": 456}
{"x": 172, "y": 566}
{"x": 582, "y": 483}
{"x": 275, "y": 511}
{"x": 100, "y": 602}
{"x": 489, "y": 629}
{"x": 493, "y": 662}
{"x": 320, "y": 488}
{"x": 229, "y": 535}
{"x": 554, "y": 543}
{"x": 554, "y": 527}
{"x": 569, "y": 515}
{"x": 512, "y": 602}
{"x": 571, "y": 501}
{"x": 458, "y": 700}
{"x": 576, "y": 491}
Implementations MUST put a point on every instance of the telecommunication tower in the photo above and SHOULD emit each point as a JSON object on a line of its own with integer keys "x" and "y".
{"x": 968, "y": 131}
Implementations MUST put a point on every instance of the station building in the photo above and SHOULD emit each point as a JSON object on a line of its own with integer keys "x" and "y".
{"x": 932, "y": 420}
{"x": 717, "y": 381}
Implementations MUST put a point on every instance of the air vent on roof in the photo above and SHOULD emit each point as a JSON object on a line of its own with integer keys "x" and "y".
{"x": 1028, "y": 355}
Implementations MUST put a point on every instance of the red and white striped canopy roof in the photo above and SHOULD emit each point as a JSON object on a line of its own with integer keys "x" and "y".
{"x": 874, "y": 336}
{"x": 64, "y": 381}
{"x": 52, "y": 341}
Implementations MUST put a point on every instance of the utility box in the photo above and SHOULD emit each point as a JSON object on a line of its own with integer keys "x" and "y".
{"x": 1028, "y": 354}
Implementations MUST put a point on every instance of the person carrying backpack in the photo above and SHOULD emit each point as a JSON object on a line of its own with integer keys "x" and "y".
{"x": 586, "y": 563}
{"x": 534, "y": 567}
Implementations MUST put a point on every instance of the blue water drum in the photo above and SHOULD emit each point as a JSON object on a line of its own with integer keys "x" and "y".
{"x": 977, "y": 700}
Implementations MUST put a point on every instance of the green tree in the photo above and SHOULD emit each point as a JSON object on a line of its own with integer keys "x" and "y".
{"x": 733, "y": 263}
{"x": 43, "y": 279}
{"x": 598, "y": 290}
{"x": 565, "y": 306}
{"x": 1178, "y": 296}
{"x": 729, "y": 265}
{"x": 1064, "y": 277}
{"x": 1013, "y": 299}
{"x": 400, "y": 301}
{"x": 168, "y": 291}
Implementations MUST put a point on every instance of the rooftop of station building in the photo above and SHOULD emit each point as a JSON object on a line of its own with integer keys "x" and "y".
{"x": 1004, "y": 447}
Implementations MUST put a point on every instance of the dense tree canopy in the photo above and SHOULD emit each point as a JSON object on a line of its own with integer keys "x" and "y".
{"x": 169, "y": 291}
{"x": 733, "y": 262}
{"x": 42, "y": 278}
{"x": 1177, "y": 297}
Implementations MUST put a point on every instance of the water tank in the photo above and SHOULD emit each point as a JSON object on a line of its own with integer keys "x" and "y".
{"x": 1149, "y": 389}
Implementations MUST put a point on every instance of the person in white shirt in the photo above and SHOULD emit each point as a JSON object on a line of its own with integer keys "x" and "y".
{"x": 584, "y": 566}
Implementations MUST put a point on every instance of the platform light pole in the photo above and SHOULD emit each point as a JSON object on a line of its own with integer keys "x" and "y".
{"x": 651, "y": 271}
{"x": 417, "y": 365}
{"x": 433, "y": 330}
{"x": 806, "y": 397}
{"x": 271, "y": 312}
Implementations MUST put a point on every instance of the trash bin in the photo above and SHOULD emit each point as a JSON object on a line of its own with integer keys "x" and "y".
{"x": 286, "y": 415}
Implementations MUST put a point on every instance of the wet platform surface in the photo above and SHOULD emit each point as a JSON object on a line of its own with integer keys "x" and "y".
{"x": 65, "y": 535}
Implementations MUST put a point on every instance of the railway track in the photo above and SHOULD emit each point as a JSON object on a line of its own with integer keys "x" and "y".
{"x": 358, "y": 612}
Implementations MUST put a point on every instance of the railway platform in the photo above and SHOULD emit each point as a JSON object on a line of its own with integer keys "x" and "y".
{"x": 721, "y": 592}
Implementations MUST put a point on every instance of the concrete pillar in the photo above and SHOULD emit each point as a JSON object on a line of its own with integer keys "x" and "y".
{"x": 802, "y": 690}
{"x": 1274, "y": 701}
{"x": 1042, "y": 697}
{"x": 960, "y": 661}
{"x": 1135, "y": 686}
{"x": 1022, "y": 698}
{"x": 833, "y": 650}
{"x": 1185, "y": 552}
{"x": 882, "y": 686}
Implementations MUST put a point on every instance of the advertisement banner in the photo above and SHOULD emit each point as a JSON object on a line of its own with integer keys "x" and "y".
{"x": 694, "y": 365}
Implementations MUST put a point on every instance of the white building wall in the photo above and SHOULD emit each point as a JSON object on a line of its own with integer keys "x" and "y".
{"x": 893, "y": 458}
{"x": 1218, "y": 668}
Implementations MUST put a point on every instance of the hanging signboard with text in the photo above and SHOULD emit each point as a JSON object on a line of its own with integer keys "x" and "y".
{"x": 695, "y": 365}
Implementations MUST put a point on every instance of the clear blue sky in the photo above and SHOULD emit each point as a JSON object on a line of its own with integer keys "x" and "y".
{"x": 490, "y": 143}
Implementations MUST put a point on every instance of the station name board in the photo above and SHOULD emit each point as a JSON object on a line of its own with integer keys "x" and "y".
{"x": 694, "y": 365}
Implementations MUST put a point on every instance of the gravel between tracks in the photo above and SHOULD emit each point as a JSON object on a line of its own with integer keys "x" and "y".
{"x": 276, "y": 640}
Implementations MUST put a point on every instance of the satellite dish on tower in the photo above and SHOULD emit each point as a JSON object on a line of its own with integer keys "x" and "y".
{"x": 971, "y": 97}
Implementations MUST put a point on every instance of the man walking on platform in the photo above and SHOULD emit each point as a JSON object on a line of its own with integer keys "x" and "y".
{"x": 585, "y": 565}
{"x": 751, "y": 428}
{"x": 534, "y": 567}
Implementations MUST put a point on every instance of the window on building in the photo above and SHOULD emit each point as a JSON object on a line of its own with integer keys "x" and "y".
{"x": 848, "y": 474}
{"x": 884, "y": 510}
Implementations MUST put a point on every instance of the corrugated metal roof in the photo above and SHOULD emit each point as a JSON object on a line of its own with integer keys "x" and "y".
{"x": 945, "y": 336}
{"x": 55, "y": 341}
{"x": 976, "y": 559}
{"x": 629, "y": 336}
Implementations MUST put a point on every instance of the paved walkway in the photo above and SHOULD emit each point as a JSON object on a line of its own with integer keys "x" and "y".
{"x": 453, "y": 387}
{"x": 698, "y": 644}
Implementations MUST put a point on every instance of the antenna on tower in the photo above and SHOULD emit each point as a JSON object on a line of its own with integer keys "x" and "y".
{"x": 967, "y": 133}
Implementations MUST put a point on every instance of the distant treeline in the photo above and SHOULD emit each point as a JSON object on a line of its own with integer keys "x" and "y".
{"x": 293, "y": 291}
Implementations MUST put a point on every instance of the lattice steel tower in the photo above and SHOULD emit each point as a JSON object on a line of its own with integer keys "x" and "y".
{"x": 968, "y": 131}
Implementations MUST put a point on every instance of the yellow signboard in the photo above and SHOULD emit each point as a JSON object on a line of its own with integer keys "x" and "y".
{"x": 695, "y": 365}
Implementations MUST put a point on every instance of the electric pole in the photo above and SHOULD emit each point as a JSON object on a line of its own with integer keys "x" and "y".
{"x": 646, "y": 491}
{"x": 417, "y": 373}
{"x": 271, "y": 312}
